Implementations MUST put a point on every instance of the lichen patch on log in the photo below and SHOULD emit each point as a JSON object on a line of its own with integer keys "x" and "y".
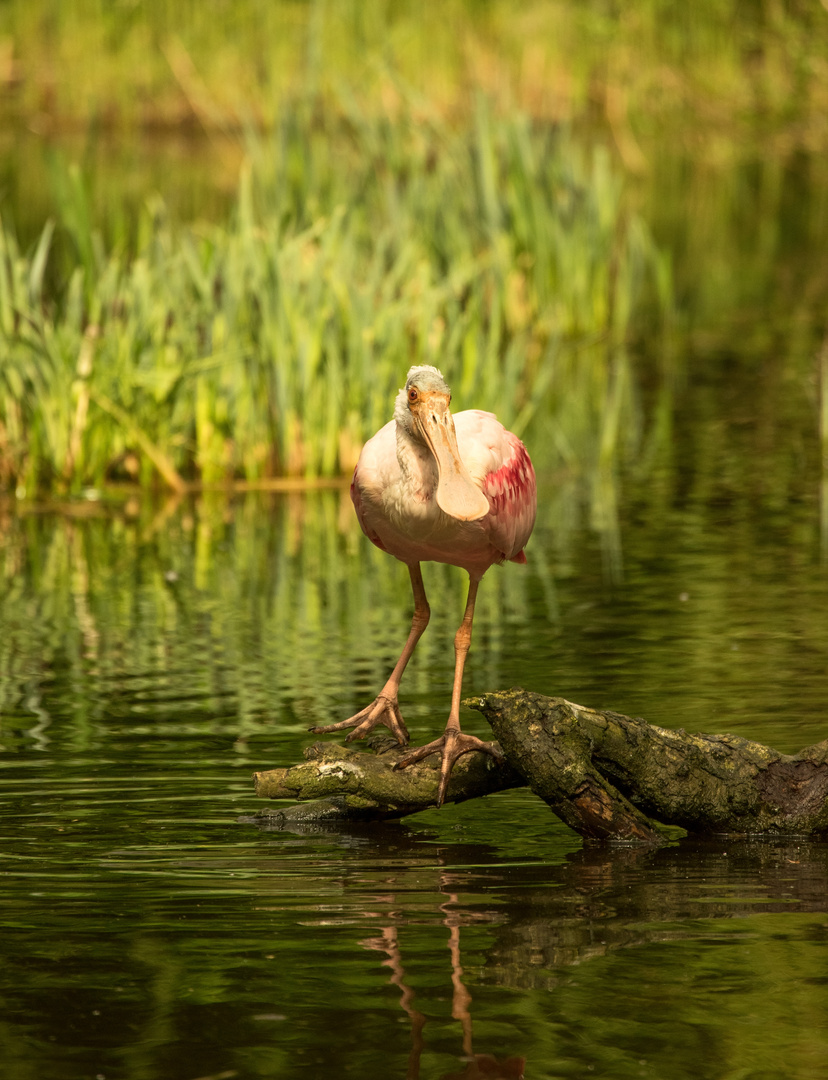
{"x": 333, "y": 770}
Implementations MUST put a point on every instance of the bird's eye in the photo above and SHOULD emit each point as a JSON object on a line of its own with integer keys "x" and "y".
{"x": 412, "y": 394}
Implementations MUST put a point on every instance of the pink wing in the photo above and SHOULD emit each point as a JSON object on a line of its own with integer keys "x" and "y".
{"x": 499, "y": 462}
{"x": 512, "y": 493}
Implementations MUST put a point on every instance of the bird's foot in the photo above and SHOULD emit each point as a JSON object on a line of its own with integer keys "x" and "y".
{"x": 451, "y": 745}
{"x": 383, "y": 710}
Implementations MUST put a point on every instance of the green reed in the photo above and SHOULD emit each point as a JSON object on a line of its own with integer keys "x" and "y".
{"x": 272, "y": 344}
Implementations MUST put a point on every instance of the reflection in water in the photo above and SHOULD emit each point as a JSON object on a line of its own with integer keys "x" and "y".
{"x": 260, "y": 587}
{"x": 586, "y": 935}
{"x": 274, "y": 608}
{"x": 478, "y": 1065}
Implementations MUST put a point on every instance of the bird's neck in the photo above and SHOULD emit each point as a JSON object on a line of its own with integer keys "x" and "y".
{"x": 417, "y": 466}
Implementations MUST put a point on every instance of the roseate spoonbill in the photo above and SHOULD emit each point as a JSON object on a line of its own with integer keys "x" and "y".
{"x": 430, "y": 486}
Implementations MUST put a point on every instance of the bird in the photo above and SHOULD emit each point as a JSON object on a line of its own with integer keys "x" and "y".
{"x": 432, "y": 486}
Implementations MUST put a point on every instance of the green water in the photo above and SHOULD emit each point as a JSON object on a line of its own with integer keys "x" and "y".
{"x": 154, "y": 654}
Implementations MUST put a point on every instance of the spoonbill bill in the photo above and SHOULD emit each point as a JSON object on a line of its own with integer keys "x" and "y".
{"x": 432, "y": 486}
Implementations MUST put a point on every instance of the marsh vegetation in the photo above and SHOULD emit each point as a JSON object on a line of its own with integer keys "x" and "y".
{"x": 486, "y": 190}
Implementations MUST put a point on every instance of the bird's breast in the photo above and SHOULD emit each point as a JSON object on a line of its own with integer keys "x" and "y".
{"x": 394, "y": 492}
{"x": 412, "y": 509}
{"x": 413, "y": 528}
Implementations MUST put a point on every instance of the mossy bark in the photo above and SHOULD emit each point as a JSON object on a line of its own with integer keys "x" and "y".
{"x": 347, "y": 784}
{"x": 608, "y": 776}
{"x": 611, "y": 776}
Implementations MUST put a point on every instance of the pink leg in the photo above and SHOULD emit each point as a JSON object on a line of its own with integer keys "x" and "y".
{"x": 453, "y": 743}
{"x": 384, "y": 709}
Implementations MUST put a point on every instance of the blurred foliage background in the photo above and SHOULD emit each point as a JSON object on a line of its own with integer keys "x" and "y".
{"x": 228, "y": 228}
{"x": 746, "y": 68}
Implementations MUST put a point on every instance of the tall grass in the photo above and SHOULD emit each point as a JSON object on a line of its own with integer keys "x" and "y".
{"x": 271, "y": 345}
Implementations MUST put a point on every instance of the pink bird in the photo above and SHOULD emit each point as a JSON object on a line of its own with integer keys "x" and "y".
{"x": 430, "y": 486}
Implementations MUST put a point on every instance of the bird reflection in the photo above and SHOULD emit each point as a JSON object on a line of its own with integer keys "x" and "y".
{"x": 388, "y": 944}
{"x": 477, "y": 1066}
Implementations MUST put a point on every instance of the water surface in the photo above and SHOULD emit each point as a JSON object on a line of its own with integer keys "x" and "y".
{"x": 154, "y": 656}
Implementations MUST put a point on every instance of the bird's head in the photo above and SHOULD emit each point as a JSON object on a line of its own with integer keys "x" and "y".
{"x": 422, "y": 410}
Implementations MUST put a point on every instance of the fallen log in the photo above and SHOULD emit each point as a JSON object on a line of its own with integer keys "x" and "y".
{"x": 608, "y": 776}
{"x": 337, "y": 783}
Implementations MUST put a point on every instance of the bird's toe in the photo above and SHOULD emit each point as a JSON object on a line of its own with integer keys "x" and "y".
{"x": 382, "y": 711}
{"x": 451, "y": 745}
